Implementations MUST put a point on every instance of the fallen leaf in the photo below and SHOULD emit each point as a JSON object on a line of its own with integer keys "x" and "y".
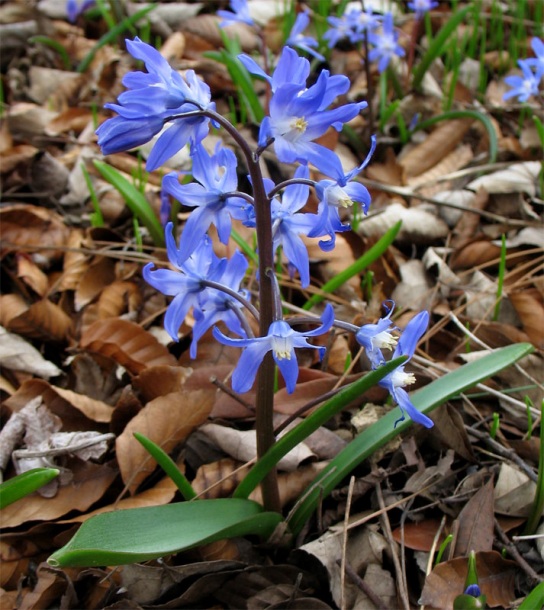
{"x": 17, "y": 354}
{"x": 475, "y": 531}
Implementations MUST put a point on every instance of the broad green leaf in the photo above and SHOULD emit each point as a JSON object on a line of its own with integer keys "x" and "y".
{"x": 310, "y": 424}
{"x": 425, "y": 400}
{"x": 24, "y": 484}
{"x": 141, "y": 534}
{"x": 535, "y": 599}
{"x": 137, "y": 203}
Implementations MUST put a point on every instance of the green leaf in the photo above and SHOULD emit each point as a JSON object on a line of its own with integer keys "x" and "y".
{"x": 24, "y": 484}
{"x": 425, "y": 400}
{"x": 438, "y": 44}
{"x": 310, "y": 424}
{"x": 134, "y": 199}
{"x": 168, "y": 465}
{"x": 141, "y": 534}
{"x": 357, "y": 267}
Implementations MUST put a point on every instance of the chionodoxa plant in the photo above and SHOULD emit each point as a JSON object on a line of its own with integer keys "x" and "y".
{"x": 178, "y": 109}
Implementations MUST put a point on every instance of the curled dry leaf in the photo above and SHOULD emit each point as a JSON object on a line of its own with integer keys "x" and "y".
{"x": 19, "y": 355}
{"x": 76, "y": 411}
{"x": 33, "y": 227}
{"x": 117, "y": 298}
{"x": 496, "y": 577}
{"x": 435, "y": 147}
{"x": 127, "y": 343}
{"x": 94, "y": 280}
{"x": 159, "y": 380}
{"x": 32, "y": 275}
{"x": 43, "y": 320}
{"x": 166, "y": 420}
{"x": 242, "y": 446}
{"x": 520, "y": 177}
{"x": 74, "y": 263}
{"x": 530, "y": 309}
{"x": 456, "y": 159}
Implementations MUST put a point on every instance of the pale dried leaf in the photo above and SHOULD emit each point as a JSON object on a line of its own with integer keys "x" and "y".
{"x": 166, "y": 420}
{"x": 519, "y": 177}
{"x": 414, "y": 289}
{"x": 242, "y": 446}
{"x": 19, "y": 355}
{"x": 418, "y": 225}
{"x": 127, "y": 343}
{"x": 514, "y": 492}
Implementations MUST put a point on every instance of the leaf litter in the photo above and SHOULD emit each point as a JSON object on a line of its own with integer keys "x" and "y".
{"x": 84, "y": 357}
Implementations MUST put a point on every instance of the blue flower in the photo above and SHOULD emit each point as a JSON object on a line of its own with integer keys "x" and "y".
{"x": 216, "y": 176}
{"x": 473, "y": 590}
{"x": 152, "y": 99}
{"x": 305, "y": 43}
{"x": 385, "y": 44}
{"x": 218, "y": 306}
{"x": 397, "y": 380}
{"x": 239, "y": 14}
{"x": 341, "y": 192}
{"x": 353, "y": 25}
{"x": 288, "y": 224}
{"x": 421, "y": 7}
{"x": 298, "y": 114}
{"x": 375, "y": 337}
{"x": 186, "y": 283}
{"x": 537, "y": 62}
{"x": 74, "y": 8}
{"x": 281, "y": 340}
{"x": 523, "y": 87}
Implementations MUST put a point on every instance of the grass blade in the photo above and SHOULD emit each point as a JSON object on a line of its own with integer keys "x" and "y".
{"x": 134, "y": 199}
{"x": 24, "y": 484}
{"x": 425, "y": 400}
{"x": 359, "y": 265}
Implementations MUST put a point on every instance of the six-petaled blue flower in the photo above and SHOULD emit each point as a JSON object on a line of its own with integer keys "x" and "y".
{"x": 216, "y": 179}
{"x": 154, "y": 98}
{"x": 397, "y": 380}
{"x": 421, "y": 7}
{"x": 376, "y": 337}
{"x": 281, "y": 340}
{"x": 299, "y": 114}
{"x": 298, "y": 40}
{"x": 385, "y": 45}
{"x": 240, "y": 14}
{"x": 532, "y": 68}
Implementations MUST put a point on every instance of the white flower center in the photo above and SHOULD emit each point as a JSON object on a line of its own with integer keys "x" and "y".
{"x": 281, "y": 347}
{"x": 337, "y": 196}
{"x": 401, "y": 379}
{"x": 384, "y": 340}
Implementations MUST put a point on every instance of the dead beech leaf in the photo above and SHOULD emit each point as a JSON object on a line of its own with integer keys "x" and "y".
{"x": 530, "y": 309}
{"x": 127, "y": 343}
{"x": 90, "y": 481}
{"x": 419, "y": 536}
{"x": 159, "y": 380}
{"x": 475, "y": 531}
{"x": 43, "y": 320}
{"x": 166, "y": 420}
{"x": 435, "y": 147}
{"x": 94, "y": 280}
{"x": 19, "y": 355}
{"x": 218, "y": 479}
{"x": 514, "y": 492}
{"x": 35, "y": 227}
{"x": 473, "y": 254}
{"x": 75, "y": 262}
{"x": 496, "y": 577}
{"x": 118, "y": 298}
{"x": 242, "y": 446}
{"x": 71, "y": 119}
{"x": 59, "y": 402}
{"x": 32, "y": 275}
{"x": 517, "y": 178}
{"x": 456, "y": 159}
{"x": 11, "y": 306}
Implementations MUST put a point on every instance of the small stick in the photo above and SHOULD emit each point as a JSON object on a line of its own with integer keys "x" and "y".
{"x": 511, "y": 548}
{"x": 359, "y": 582}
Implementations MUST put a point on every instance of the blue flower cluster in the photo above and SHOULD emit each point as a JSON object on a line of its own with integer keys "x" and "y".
{"x": 179, "y": 110}
{"x": 532, "y": 68}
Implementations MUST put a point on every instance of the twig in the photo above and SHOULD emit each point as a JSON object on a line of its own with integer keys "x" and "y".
{"x": 225, "y": 388}
{"x": 20, "y": 454}
{"x": 511, "y": 548}
{"x": 509, "y": 454}
{"x": 359, "y": 582}
{"x": 386, "y": 526}
{"x": 345, "y": 545}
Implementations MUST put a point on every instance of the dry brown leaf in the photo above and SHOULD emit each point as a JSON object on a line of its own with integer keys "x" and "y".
{"x": 473, "y": 254}
{"x": 389, "y": 172}
{"x": 32, "y": 275}
{"x": 159, "y": 380}
{"x": 89, "y": 484}
{"x": 530, "y": 309}
{"x": 127, "y": 343}
{"x": 419, "y": 536}
{"x": 15, "y": 556}
{"x": 11, "y": 306}
{"x": 118, "y": 298}
{"x": 76, "y": 416}
{"x": 12, "y": 157}
{"x": 43, "y": 320}
{"x": 456, "y": 159}
{"x": 71, "y": 119}
{"x": 166, "y": 420}
{"x": 476, "y": 523}
{"x": 49, "y": 587}
{"x": 218, "y": 479}
{"x": 93, "y": 281}
{"x": 435, "y": 147}
{"x": 34, "y": 227}
{"x": 75, "y": 261}
{"x": 496, "y": 577}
